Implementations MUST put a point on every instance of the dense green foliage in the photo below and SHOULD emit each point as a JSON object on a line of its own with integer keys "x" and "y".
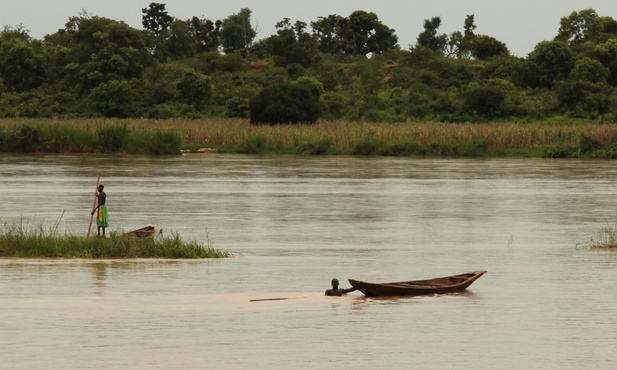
{"x": 99, "y": 67}
{"x": 17, "y": 240}
{"x": 285, "y": 103}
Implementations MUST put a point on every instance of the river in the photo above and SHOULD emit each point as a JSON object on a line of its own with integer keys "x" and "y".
{"x": 293, "y": 223}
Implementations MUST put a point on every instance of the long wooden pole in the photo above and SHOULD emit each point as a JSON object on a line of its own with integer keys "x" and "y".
{"x": 94, "y": 204}
{"x": 268, "y": 299}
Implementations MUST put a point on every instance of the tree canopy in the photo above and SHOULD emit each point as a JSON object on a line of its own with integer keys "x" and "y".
{"x": 333, "y": 67}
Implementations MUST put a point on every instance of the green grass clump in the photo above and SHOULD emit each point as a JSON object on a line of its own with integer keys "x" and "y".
{"x": 605, "y": 238}
{"x": 19, "y": 241}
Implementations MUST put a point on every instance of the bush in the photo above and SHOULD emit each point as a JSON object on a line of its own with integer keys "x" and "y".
{"x": 484, "y": 100}
{"x": 607, "y": 152}
{"x": 587, "y": 144}
{"x": 28, "y": 104}
{"x": 114, "y": 99}
{"x": 284, "y": 103}
{"x": 295, "y": 70}
{"x": 194, "y": 89}
{"x": 334, "y": 105}
{"x": 237, "y": 107}
{"x": 160, "y": 111}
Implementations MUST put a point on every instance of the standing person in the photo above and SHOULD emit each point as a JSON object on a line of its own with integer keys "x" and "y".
{"x": 101, "y": 209}
{"x": 335, "y": 291}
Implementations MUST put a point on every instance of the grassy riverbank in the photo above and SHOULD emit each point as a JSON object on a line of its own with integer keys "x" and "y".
{"x": 17, "y": 240}
{"x": 550, "y": 140}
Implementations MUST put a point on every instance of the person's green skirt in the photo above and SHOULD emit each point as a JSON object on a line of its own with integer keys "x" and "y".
{"x": 101, "y": 218}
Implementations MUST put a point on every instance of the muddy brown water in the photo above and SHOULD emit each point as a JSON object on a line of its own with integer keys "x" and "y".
{"x": 294, "y": 223}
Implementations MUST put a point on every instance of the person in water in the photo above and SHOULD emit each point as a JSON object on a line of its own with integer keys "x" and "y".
{"x": 101, "y": 209}
{"x": 335, "y": 291}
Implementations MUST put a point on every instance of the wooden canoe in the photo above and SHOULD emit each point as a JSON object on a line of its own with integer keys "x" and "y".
{"x": 145, "y": 232}
{"x": 441, "y": 285}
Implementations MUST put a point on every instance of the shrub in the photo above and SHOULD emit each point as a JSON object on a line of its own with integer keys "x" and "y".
{"x": 237, "y": 107}
{"x": 587, "y": 144}
{"x": 484, "y": 100}
{"x": 194, "y": 89}
{"x": 284, "y": 103}
{"x": 295, "y": 70}
{"x": 334, "y": 104}
{"x": 114, "y": 99}
{"x": 608, "y": 152}
{"x": 161, "y": 111}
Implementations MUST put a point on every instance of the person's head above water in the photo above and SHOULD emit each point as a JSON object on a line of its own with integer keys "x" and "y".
{"x": 335, "y": 283}
{"x": 335, "y": 291}
{"x": 101, "y": 187}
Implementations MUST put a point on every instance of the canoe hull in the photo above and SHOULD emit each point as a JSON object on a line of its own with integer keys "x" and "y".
{"x": 146, "y": 232}
{"x": 442, "y": 285}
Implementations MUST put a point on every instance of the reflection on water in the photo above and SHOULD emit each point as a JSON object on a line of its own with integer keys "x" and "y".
{"x": 100, "y": 274}
{"x": 294, "y": 224}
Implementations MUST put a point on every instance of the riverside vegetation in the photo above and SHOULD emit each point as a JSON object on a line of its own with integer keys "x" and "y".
{"x": 348, "y": 68}
{"x": 605, "y": 238}
{"x": 568, "y": 139}
{"x": 197, "y": 84}
{"x": 17, "y": 240}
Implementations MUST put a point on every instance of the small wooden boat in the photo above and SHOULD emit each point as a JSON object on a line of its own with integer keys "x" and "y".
{"x": 145, "y": 232}
{"x": 439, "y": 285}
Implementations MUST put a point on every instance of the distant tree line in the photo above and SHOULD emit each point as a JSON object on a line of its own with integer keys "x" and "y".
{"x": 336, "y": 67}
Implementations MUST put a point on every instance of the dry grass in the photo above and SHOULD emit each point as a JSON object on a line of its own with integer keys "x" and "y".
{"x": 344, "y": 135}
{"x": 605, "y": 238}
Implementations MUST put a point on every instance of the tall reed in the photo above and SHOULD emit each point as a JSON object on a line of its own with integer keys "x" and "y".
{"x": 605, "y": 238}
{"x": 344, "y": 137}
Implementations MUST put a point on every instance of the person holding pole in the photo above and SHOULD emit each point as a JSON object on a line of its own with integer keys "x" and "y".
{"x": 101, "y": 209}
